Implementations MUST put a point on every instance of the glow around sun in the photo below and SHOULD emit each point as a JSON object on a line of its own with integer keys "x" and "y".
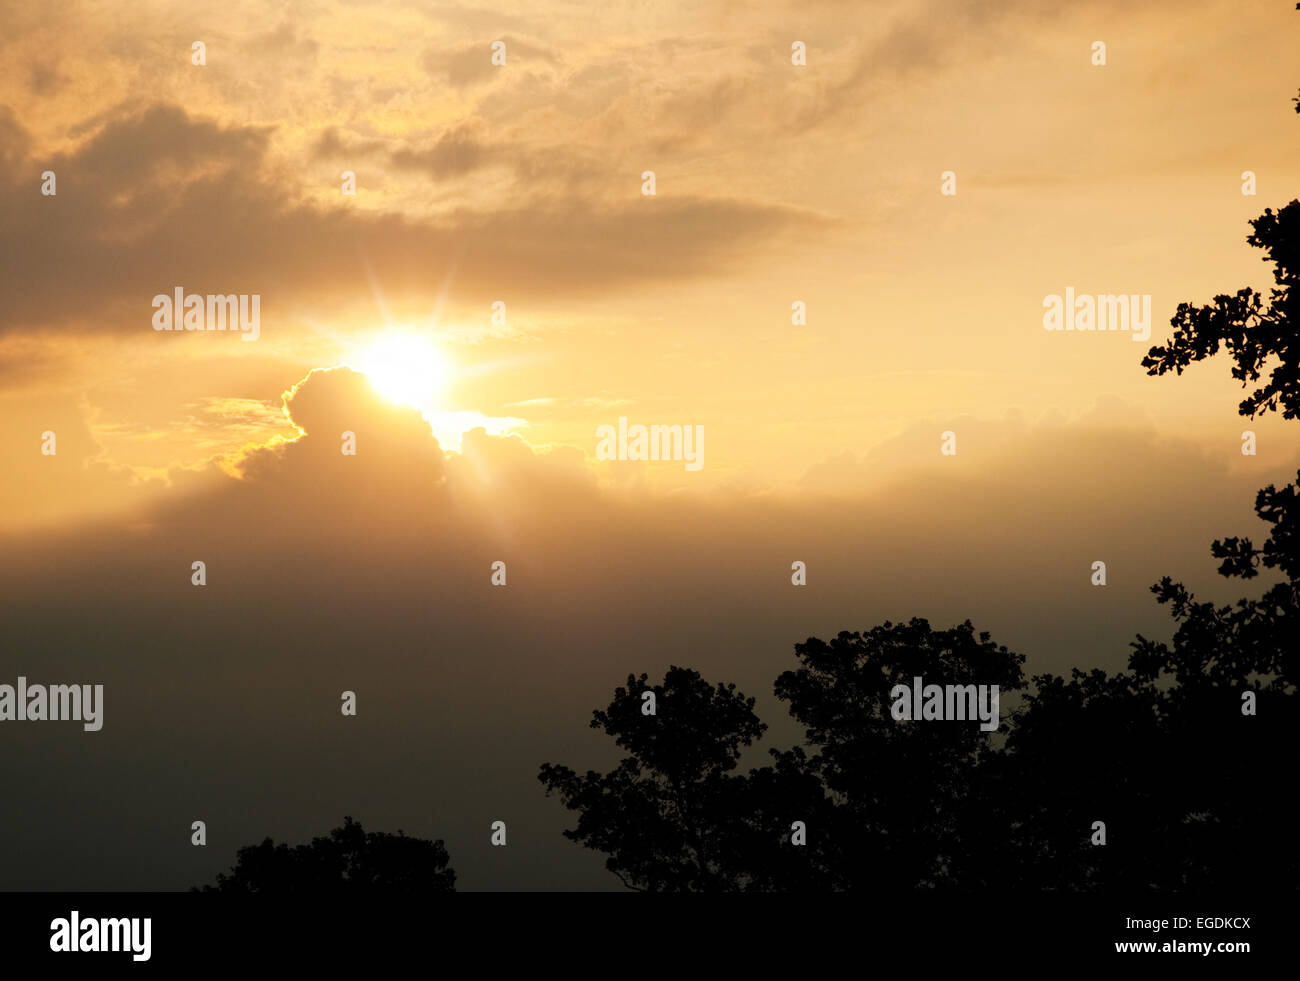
{"x": 405, "y": 368}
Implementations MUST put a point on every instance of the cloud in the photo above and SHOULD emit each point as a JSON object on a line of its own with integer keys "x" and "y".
{"x": 464, "y": 149}
{"x": 555, "y": 408}
{"x": 327, "y": 404}
{"x": 39, "y": 489}
{"x": 158, "y": 199}
{"x": 371, "y": 573}
{"x": 457, "y": 151}
{"x": 286, "y": 41}
{"x": 15, "y": 144}
{"x": 45, "y": 78}
{"x": 334, "y": 144}
{"x": 471, "y": 64}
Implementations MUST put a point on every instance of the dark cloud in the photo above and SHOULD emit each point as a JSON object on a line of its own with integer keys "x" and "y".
{"x": 372, "y": 574}
{"x": 159, "y": 199}
{"x": 45, "y": 78}
{"x": 457, "y": 151}
{"x": 465, "y": 150}
{"x": 286, "y": 40}
{"x": 466, "y": 65}
{"x": 15, "y": 142}
{"x": 327, "y": 404}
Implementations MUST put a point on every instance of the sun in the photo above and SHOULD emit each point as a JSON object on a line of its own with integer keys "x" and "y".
{"x": 405, "y": 368}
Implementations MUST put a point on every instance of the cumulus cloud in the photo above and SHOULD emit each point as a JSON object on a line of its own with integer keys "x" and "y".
{"x": 372, "y": 574}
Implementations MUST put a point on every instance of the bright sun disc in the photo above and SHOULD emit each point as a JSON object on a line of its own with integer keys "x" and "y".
{"x": 404, "y": 368}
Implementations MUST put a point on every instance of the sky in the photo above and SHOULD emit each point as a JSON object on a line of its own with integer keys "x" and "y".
{"x": 497, "y": 289}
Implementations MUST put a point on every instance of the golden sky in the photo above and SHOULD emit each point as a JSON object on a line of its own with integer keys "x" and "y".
{"x": 522, "y": 184}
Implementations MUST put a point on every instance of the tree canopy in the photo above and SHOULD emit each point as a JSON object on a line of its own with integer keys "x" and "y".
{"x": 348, "y": 860}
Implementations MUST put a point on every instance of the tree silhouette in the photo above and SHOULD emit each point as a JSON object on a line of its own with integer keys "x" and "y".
{"x": 896, "y": 802}
{"x": 349, "y": 860}
{"x": 667, "y": 814}
{"x": 1231, "y": 789}
{"x": 1256, "y": 638}
{"x": 884, "y": 800}
{"x": 1189, "y": 785}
